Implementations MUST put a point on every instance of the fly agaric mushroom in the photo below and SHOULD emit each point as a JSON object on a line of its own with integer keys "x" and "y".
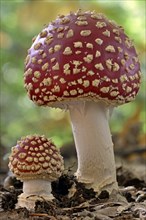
{"x": 37, "y": 162}
{"x": 85, "y": 62}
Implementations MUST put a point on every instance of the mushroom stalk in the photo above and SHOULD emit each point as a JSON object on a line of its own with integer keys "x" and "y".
{"x": 38, "y": 187}
{"x": 96, "y": 164}
{"x": 34, "y": 190}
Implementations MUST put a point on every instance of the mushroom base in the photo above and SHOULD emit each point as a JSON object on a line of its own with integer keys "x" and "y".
{"x": 96, "y": 164}
{"x": 34, "y": 190}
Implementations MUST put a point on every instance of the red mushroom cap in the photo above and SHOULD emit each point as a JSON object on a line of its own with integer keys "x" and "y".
{"x": 36, "y": 157}
{"x": 82, "y": 56}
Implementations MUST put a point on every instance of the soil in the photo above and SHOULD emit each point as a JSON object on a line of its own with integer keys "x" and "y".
{"x": 74, "y": 202}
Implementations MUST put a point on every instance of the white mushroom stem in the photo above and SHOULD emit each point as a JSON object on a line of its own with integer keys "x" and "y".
{"x": 38, "y": 187}
{"x": 34, "y": 190}
{"x": 96, "y": 164}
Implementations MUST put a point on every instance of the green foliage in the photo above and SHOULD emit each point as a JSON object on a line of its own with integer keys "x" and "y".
{"x": 20, "y": 21}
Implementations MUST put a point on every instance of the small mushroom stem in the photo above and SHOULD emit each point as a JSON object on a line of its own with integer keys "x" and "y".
{"x": 38, "y": 187}
{"x": 34, "y": 190}
{"x": 96, "y": 164}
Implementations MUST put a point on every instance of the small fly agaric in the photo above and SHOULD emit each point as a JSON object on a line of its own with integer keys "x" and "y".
{"x": 37, "y": 162}
{"x": 85, "y": 62}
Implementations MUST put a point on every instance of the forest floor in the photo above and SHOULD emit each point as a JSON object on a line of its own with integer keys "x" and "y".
{"x": 74, "y": 202}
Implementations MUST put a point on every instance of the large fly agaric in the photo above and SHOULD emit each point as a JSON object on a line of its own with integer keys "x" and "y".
{"x": 85, "y": 62}
{"x": 37, "y": 162}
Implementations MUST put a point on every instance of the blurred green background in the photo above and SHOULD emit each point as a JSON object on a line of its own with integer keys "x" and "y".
{"x": 23, "y": 19}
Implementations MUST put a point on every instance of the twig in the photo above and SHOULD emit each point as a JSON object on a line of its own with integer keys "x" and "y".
{"x": 42, "y": 215}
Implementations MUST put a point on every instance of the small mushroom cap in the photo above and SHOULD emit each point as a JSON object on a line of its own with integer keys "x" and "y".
{"x": 36, "y": 157}
{"x": 82, "y": 56}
